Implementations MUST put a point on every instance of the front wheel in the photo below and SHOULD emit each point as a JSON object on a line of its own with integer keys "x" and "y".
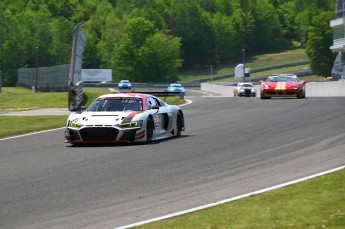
{"x": 179, "y": 123}
{"x": 149, "y": 129}
{"x": 302, "y": 94}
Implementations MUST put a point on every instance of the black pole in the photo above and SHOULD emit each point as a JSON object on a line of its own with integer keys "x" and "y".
{"x": 244, "y": 64}
{"x": 36, "y": 63}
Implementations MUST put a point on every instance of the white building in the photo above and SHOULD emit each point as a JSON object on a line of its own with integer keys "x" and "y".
{"x": 338, "y": 26}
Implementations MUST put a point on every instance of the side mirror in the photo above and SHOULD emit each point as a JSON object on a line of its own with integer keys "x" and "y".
{"x": 81, "y": 109}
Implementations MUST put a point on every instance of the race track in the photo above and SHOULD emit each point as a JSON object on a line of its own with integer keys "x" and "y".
{"x": 231, "y": 146}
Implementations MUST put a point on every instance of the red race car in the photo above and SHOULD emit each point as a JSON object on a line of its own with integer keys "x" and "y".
{"x": 282, "y": 85}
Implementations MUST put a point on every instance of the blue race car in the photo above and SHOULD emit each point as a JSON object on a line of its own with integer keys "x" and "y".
{"x": 124, "y": 84}
{"x": 176, "y": 87}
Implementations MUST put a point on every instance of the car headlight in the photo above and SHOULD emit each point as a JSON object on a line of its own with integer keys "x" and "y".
{"x": 296, "y": 86}
{"x": 266, "y": 86}
{"x": 131, "y": 124}
{"x": 76, "y": 125}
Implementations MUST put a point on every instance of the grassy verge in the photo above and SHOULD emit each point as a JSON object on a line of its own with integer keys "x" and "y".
{"x": 17, "y": 98}
{"x": 316, "y": 203}
{"x": 16, "y": 125}
{"x": 259, "y": 61}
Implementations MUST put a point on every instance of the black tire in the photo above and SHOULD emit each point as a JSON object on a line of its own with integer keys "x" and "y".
{"x": 302, "y": 95}
{"x": 179, "y": 124}
{"x": 263, "y": 97}
{"x": 149, "y": 129}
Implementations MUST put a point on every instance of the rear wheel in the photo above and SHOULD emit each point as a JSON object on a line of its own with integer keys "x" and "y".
{"x": 149, "y": 129}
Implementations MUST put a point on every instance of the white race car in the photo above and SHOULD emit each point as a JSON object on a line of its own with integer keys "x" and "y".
{"x": 125, "y": 117}
{"x": 245, "y": 89}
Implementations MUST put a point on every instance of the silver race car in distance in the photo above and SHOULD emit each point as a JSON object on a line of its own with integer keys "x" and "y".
{"x": 245, "y": 89}
{"x": 124, "y": 117}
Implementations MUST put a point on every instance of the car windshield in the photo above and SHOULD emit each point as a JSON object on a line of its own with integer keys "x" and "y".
{"x": 247, "y": 85}
{"x": 282, "y": 79}
{"x": 175, "y": 85}
{"x": 124, "y": 81}
{"x": 116, "y": 104}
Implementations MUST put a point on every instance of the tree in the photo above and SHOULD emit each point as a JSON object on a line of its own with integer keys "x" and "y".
{"x": 159, "y": 58}
{"x": 266, "y": 34}
{"x": 146, "y": 55}
{"x": 229, "y": 35}
{"x": 193, "y": 25}
{"x": 318, "y": 46}
{"x": 287, "y": 15}
{"x": 307, "y": 9}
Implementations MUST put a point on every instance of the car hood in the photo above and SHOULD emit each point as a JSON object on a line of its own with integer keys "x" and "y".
{"x": 103, "y": 118}
{"x": 281, "y": 85}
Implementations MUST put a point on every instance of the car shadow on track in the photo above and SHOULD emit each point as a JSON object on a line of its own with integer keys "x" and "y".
{"x": 128, "y": 144}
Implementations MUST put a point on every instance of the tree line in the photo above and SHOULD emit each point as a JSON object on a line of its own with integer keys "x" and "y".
{"x": 150, "y": 40}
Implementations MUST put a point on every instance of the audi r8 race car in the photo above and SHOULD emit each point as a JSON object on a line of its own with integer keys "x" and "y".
{"x": 282, "y": 85}
{"x": 245, "y": 89}
{"x": 125, "y": 117}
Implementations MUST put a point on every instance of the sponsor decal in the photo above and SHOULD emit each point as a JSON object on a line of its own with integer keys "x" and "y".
{"x": 120, "y": 98}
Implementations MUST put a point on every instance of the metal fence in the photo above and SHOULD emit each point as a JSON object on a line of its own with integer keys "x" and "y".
{"x": 46, "y": 78}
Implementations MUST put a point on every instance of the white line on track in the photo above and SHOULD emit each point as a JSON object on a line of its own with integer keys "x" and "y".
{"x": 187, "y": 103}
{"x": 229, "y": 200}
{"x": 37, "y": 132}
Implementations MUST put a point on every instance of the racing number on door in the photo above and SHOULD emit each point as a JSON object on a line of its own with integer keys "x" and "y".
{"x": 156, "y": 122}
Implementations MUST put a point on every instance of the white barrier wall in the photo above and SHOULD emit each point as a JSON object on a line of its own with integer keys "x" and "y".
{"x": 313, "y": 89}
{"x": 329, "y": 89}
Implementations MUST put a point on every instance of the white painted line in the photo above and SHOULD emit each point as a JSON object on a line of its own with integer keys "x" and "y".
{"x": 228, "y": 200}
{"x": 187, "y": 103}
{"x": 24, "y": 135}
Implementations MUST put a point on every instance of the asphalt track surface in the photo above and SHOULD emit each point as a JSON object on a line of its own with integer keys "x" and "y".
{"x": 231, "y": 146}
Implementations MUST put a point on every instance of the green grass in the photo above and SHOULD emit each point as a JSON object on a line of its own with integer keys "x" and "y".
{"x": 316, "y": 203}
{"x": 17, "y": 98}
{"x": 16, "y": 125}
{"x": 273, "y": 59}
{"x": 259, "y": 61}
{"x": 14, "y": 98}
